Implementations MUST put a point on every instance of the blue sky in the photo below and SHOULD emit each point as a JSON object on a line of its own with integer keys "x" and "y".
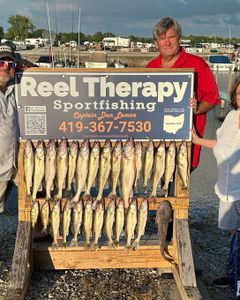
{"x": 126, "y": 17}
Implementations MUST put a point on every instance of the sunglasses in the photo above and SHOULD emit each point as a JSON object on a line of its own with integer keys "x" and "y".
{"x": 7, "y": 64}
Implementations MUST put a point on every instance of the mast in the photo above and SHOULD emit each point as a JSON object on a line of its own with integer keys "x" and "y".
{"x": 79, "y": 15}
{"x": 50, "y": 34}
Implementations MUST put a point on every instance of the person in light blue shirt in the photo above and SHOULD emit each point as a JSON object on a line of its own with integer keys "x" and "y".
{"x": 9, "y": 129}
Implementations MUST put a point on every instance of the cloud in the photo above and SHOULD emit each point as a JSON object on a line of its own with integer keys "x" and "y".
{"x": 126, "y": 17}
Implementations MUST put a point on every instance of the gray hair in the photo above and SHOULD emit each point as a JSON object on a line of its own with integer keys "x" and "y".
{"x": 162, "y": 26}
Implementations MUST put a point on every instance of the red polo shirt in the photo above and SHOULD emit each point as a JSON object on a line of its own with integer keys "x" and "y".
{"x": 205, "y": 89}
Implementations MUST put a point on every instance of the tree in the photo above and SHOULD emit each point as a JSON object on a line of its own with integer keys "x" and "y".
{"x": 20, "y": 27}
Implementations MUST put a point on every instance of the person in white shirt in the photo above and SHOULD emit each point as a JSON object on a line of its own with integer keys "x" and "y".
{"x": 226, "y": 149}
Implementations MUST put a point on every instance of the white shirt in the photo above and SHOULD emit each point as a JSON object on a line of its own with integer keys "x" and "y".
{"x": 227, "y": 153}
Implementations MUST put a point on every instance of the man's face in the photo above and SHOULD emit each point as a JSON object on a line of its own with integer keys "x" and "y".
{"x": 168, "y": 44}
{"x": 7, "y": 69}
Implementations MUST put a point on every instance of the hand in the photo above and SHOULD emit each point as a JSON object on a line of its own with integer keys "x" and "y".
{"x": 194, "y": 104}
{"x": 195, "y": 137}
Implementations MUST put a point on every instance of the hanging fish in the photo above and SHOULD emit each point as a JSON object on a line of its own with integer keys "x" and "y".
{"x": 93, "y": 167}
{"x": 50, "y": 168}
{"x": 82, "y": 169}
{"x": 104, "y": 168}
{"x": 39, "y": 167}
{"x": 127, "y": 175}
{"x": 163, "y": 217}
{"x": 28, "y": 166}
{"x": 76, "y": 221}
{"x": 72, "y": 162}
{"x": 62, "y": 166}
{"x": 115, "y": 167}
{"x": 148, "y": 163}
{"x": 141, "y": 223}
{"x": 182, "y": 163}
{"x": 158, "y": 167}
{"x": 169, "y": 166}
{"x": 97, "y": 224}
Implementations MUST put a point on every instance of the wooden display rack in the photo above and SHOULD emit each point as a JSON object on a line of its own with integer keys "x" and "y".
{"x": 28, "y": 255}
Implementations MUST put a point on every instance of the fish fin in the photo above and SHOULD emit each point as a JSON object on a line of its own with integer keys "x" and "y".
{"x": 73, "y": 243}
{"x": 135, "y": 244}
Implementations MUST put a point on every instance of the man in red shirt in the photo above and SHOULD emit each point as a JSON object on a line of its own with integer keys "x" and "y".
{"x": 167, "y": 34}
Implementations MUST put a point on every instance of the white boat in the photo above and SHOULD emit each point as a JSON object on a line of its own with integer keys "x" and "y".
{"x": 220, "y": 63}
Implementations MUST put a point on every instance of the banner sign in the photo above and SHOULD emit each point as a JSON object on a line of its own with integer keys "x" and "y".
{"x": 114, "y": 105}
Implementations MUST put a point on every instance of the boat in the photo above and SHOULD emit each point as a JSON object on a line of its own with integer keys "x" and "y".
{"x": 220, "y": 63}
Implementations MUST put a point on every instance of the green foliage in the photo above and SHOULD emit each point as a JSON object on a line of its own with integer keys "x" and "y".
{"x": 20, "y": 27}
{"x": 36, "y": 33}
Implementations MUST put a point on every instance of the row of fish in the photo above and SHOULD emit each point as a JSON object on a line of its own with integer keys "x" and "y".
{"x": 81, "y": 217}
{"x": 60, "y": 166}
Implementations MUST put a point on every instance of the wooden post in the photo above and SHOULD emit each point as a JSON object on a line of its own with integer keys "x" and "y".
{"x": 183, "y": 272}
{"x": 21, "y": 265}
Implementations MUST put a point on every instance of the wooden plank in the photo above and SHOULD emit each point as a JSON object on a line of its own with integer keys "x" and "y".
{"x": 184, "y": 252}
{"x": 180, "y": 204}
{"x": 21, "y": 265}
{"x": 186, "y": 292}
{"x": 112, "y": 70}
{"x": 148, "y": 256}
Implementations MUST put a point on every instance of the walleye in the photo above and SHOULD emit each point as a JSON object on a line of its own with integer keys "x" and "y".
{"x": 141, "y": 223}
{"x": 72, "y": 158}
{"x": 28, "y": 166}
{"x": 138, "y": 162}
{"x": 38, "y": 169}
{"x": 44, "y": 213}
{"x": 127, "y": 175}
{"x": 148, "y": 163}
{"x": 93, "y": 167}
{"x": 119, "y": 222}
{"x": 104, "y": 168}
{"x": 158, "y": 167}
{"x": 131, "y": 222}
{"x": 87, "y": 221}
{"x": 62, "y": 166}
{"x": 82, "y": 169}
{"x": 66, "y": 219}
{"x": 76, "y": 221}
{"x": 170, "y": 166}
{"x": 182, "y": 163}
{"x": 97, "y": 224}
{"x": 55, "y": 223}
{"x": 109, "y": 220}
{"x": 50, "y": 168}
{"x": 115, "y": 167}
{"x": 163, "y": 217}
{"x": 34, "y": 213}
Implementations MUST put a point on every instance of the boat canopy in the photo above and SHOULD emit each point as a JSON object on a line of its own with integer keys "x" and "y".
{"x": 216, "y": 59}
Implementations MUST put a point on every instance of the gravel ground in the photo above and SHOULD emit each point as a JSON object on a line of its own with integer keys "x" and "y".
{"x": 209, "y": 243}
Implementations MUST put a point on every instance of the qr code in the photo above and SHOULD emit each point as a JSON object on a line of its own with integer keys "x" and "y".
{"x": 35, "y": 124}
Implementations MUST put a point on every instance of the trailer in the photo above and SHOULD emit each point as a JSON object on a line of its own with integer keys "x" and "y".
{"x": 113, "y": 43}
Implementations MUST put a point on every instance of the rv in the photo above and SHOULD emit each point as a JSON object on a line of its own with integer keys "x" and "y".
{"x": 113, "y": 43}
